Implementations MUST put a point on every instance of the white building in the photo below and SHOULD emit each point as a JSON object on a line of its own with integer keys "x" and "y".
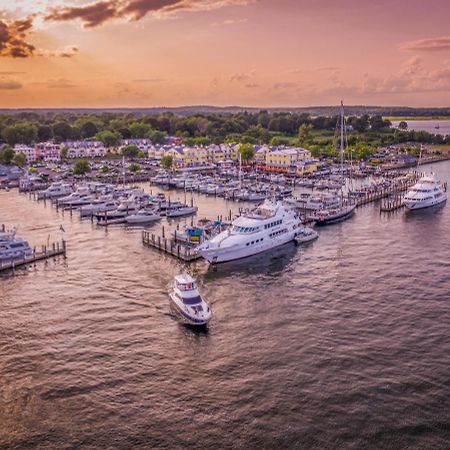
{"x": 29, "y": 152}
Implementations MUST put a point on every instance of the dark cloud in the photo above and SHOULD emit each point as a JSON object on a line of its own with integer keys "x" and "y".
{"x": 10, "y": 85}
{"x": 13, "y": 37}
{"x": 428, "y": 45}
{"x": 92, "y": 15}
{"x": 102, "y": 11}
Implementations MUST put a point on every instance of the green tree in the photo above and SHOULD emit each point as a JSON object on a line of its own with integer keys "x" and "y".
{"x": 44, "y": 133}
{"x": 108, "y": 138}
{"x": 403, "y": 125}
{"x": 247, "y": 152}
{"x": 7, "y": 154}
{"x": 62, "y": 131}
{"x": 64, "y": 152}
{"x": 88, "y": 129}
{"x": 167, "y": 161}
{"x": 304, "y": 132}
{"x": 81, "y": 167}
{"x": 104, "y": 169}
{"x": 20, "y": 133}
{"x": 131, "y": 151}
{"x": 134, "y": 168}
{"x": 139, "y": 130}
{"x": 157, "y": 137}
{"x": 20, "y": 160}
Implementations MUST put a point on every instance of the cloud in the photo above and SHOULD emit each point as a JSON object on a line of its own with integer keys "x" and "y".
{"x": 10, "y": 85}
{"x": 285, "y": 85}
{"x": 13, "y": 37}
{"x": 428, "y": 45}
{"x": 100, "y": 12}
{"x": 67, "y": 52}
{"x": 251, "y": 85}
{"x": 230, "y": 22}
{"x": 149, "y": 80}
{"x": 60, "y": 83}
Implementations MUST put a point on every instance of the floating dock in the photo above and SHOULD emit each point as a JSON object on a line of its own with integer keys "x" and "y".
{"x": 173, "y": 247}
{"x": 56, "y": 249}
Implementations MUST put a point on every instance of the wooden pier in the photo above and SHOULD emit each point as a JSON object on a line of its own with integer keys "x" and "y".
{"x": 56, "y": 249}
{"x": 173, "y": 247}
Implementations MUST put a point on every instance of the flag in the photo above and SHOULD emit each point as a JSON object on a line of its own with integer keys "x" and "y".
{"x": 61, "y": 228}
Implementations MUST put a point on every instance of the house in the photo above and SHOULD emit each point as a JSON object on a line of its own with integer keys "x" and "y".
{"x": 283, "y": 159}
{"x": 48, "y": 151}
{"x": 29, "y": 152}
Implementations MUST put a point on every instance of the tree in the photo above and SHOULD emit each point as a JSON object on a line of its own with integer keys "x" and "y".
{"x": 20, "y": 133}
{"x": 64, "y": 152}
{"x": 104, "y": 169}
{"x": 167, "y": 161}
{"x": 7, "y": 155}
{"x": 157, "y": 137}
{"x": 81, "y": 167}
{"x": 139, "y": 130}
{"x": 44, "y": 133}
{"x": 134, "y": 168}
{"x": 247, "y": 152}
{"x": 88, "y": 129}
{"x": 304, "y": 132}
{"x": 62, "y": 131}
{"x": 131, "y": 151}
{"x": 108, "y": 138}
{"x": 20, "y": 160}
{"x": 403, "y": 125}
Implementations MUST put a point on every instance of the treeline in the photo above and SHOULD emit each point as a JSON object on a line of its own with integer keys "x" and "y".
{"x": 317, "y": 133}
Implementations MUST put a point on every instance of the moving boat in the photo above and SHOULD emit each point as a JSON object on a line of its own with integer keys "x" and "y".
{"x": 187, "y": 302}
{"x": 268, "y": 226}
{"x": 428, "y": 191}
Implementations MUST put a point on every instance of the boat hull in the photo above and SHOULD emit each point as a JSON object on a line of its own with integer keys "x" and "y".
{"x": 413, "y": 206}
{"x": 184, "y": 316}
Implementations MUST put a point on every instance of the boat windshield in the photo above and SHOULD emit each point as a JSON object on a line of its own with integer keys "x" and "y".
{"x": 192, "y": 300}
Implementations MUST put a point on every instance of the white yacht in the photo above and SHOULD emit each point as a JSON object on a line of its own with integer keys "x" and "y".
{"x": 12, "y": 247}
{"x": 187, "y": 302}
{"x": 143, "y": 216}
{"x": 268, "y": 226}
{"x": 181, "y": 211}
{"x": 57, "y": 189}
{"x": 428, "y": 191}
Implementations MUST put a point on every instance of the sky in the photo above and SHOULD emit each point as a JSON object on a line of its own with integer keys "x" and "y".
{"x": 261, "y": 53}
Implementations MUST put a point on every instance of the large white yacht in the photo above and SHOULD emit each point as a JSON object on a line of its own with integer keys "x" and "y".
{"x": 187, "y": 301}
{"x": 268, "y": 226}
{"x": 428, "y": 191}
{"x": 12, "y": 247}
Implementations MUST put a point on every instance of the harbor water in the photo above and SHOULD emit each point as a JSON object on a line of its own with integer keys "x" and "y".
{"x": 341, "y": 343}
{"x": 432, "y": 126}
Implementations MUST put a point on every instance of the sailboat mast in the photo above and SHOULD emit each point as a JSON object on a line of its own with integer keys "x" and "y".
{"x": 342, "y": 141}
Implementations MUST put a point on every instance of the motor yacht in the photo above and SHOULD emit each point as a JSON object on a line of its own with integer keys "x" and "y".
{"x": 428, "y": 191}
{"x": 13, "y": 247}
{"x": 267, "y": 226}
{"x": 55, "y": 190}
{"x": 143, "y": 216}
{"x": 187, "y": 302}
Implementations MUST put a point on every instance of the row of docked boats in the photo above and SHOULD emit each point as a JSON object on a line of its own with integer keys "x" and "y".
{"x": 109, "y": 204}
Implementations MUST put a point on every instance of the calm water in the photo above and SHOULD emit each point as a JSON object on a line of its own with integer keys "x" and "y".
{"x": 428, "y": 125}
{"x": 343, "y": 343}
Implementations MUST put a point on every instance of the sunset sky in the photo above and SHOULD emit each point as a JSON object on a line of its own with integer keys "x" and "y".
{"x": 107, "y": 53}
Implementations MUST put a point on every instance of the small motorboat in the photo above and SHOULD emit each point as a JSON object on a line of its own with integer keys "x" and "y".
{"x": 187, "y": 302}
{"x": 306, "y": 234}
{"x": 143, "y": 216}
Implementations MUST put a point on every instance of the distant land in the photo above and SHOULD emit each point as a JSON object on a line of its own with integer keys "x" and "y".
{"x": 355, "y": 110}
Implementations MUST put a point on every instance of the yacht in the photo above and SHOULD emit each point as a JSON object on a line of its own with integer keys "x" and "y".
{"x": 57, "y": 189}
{"x": 307, "y": 234}
{"x": 100, "y": 205}
{"x": 143, "y": 216}
{"x": 181, "y": 211}
{"x": 12, "y": 247}
{"x": 187, "y": 302}
{"x": 267, "y": 226}
{"x": 428, "y": 191}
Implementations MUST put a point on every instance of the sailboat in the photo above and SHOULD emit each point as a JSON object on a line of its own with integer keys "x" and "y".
{"x": 344, "y": 209}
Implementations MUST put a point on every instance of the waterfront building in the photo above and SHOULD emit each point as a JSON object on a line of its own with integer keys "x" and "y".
{"x": 29, "y": 152}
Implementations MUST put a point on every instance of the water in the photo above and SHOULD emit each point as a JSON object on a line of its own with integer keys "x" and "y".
{"x": 427, "y": 125}
{"x": 343, "y": 343}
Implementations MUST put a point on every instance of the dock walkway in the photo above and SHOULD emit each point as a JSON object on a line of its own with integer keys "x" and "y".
{"x": 172, "y": 247}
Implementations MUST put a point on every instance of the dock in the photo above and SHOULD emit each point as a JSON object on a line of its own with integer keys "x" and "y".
{"x": 56, "y": 249}
{"x": 173, "y": 247}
